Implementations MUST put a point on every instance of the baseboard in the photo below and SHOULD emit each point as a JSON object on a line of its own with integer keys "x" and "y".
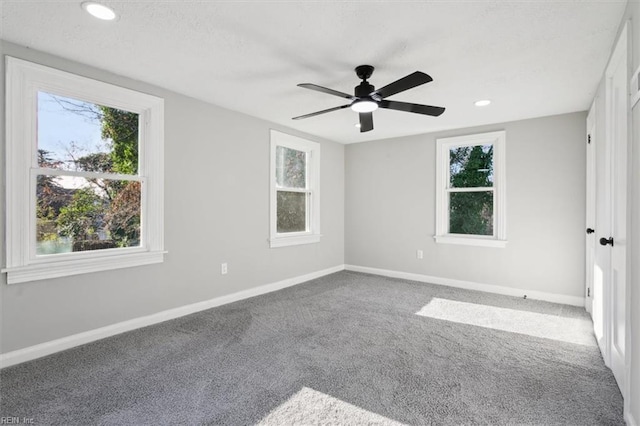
{"x": 48, "y": 348}
{"x": 470, "y": 285}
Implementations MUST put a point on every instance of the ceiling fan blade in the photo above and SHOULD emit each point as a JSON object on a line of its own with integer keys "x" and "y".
{"x": 366, "y": 121}
{"x": 325, "y": 90}
{"x": 405, "y": 83}
{"x": 313, "y": 114}
{"x": 417, "y": 108}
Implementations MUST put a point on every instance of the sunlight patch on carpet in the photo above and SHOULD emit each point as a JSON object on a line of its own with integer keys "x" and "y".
{"x": 308, "y": 406}
{"x": 570, "y": 330}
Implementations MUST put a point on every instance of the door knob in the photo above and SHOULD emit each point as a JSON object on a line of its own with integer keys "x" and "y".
{"x": 605, "y": 241}
{"x": 590, "y": 230}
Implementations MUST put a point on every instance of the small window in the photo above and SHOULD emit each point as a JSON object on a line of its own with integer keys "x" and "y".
{"x": 84, "y": 182}
{"x": 470, "y": 183}
{"x": 295, "y": 195}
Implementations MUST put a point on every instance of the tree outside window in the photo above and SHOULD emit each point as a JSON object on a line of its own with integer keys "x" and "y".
{"x": 98, "y": 205}
{"x": 471, "y": 168}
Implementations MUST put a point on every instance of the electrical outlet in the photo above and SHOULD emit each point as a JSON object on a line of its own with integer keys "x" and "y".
{"x": 223, "y": 268}
{"x": 419, "y": 254}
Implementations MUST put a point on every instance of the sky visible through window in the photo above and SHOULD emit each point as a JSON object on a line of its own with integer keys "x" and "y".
{"x": 68, "y": 128}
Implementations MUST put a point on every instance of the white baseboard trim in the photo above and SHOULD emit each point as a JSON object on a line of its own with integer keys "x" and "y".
{"x": 43, "y": 349}
{"x": 470, "y": 285}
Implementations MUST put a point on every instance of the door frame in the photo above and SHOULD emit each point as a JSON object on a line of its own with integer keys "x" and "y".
{"x": 590, "y": 208}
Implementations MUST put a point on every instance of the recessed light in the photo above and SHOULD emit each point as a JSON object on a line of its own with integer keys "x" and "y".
{"x": 482, "y": 103}
{"x": 99, "y": 11}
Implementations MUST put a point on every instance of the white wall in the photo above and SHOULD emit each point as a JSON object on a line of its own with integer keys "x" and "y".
{"x": 216, "y": 210}
{"x": 390, "y": 208}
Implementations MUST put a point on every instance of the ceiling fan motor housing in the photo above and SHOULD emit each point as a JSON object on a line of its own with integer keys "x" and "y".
{"x": 363, "y": 90}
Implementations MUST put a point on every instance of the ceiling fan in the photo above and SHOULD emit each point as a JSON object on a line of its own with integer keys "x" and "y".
{"x": 367, "y": 99}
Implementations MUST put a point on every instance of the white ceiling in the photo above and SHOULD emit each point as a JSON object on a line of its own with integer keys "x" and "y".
{"x": 531, "y": 58}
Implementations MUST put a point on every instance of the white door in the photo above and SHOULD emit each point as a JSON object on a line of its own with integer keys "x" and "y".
{"x": 598, "y": 201}
{"x": 617, "y": 105}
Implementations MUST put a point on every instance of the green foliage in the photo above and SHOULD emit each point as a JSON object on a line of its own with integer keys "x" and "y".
{"x": 123, "y": 212}
{"x": 123, "y": 217}
{"x": 471, "y": 212}
{"x": 121, "y": 127}
{"x": 81, "y": 218}
{"x": 50, "y": 199}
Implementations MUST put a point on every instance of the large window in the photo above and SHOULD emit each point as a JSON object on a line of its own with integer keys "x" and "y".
{"x": 84, "y": 174}
{"x": 470, "y": 183}
{"x": 295, "y": 195}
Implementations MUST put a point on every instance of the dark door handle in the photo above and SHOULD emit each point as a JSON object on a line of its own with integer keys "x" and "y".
{"x": 605, "y": 241}
{"x": 590, "y": 230}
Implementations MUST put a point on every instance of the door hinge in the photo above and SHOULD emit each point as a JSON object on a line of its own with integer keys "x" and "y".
{"x": 588, "y": 138}
{"x": 588, "y": 292}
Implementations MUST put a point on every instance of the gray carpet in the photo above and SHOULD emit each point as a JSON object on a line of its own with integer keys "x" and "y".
{"x": 348, "y": 348}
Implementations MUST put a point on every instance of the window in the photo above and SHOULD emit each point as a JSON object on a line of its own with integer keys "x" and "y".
{"x": 295, "y": 194}
{"x": 84, "y": 174}
{"x": 470, "y": 201}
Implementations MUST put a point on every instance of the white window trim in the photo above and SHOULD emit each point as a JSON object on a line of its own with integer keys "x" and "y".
{"x": 312, "y": 235}
{"x": 499, "y": 238}
{"x": 23, "y": 81}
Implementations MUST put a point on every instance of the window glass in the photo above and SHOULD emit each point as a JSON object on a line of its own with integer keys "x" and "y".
{"x": 290, "y": 168}
{"x": 79, "y": 214}
{"x": 471, "y": 213}
{"x": 292, "y": 211}
{"x": 471, "y": 166}
{"x": 83, "y": 136}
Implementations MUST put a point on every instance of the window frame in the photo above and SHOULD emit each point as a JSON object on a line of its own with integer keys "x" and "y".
{"x": 312, "y": 181}
{"x": 24, "y": 80}
{"x": 443, "y": 189}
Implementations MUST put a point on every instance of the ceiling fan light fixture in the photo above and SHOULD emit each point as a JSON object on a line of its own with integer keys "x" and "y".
{"x": 99, "y": 11}
{"x": 364, "y": 105}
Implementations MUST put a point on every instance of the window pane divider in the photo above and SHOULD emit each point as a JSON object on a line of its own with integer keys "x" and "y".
{"x": 89, "y": 175}
{"x": 472, "y": 189}
{"x": 284, "y": 189}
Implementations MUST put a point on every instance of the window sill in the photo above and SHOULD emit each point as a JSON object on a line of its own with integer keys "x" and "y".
{"x": 470, "y": 241}
{"x": 42, "y": 271}
{"x": 294, "y": 240}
